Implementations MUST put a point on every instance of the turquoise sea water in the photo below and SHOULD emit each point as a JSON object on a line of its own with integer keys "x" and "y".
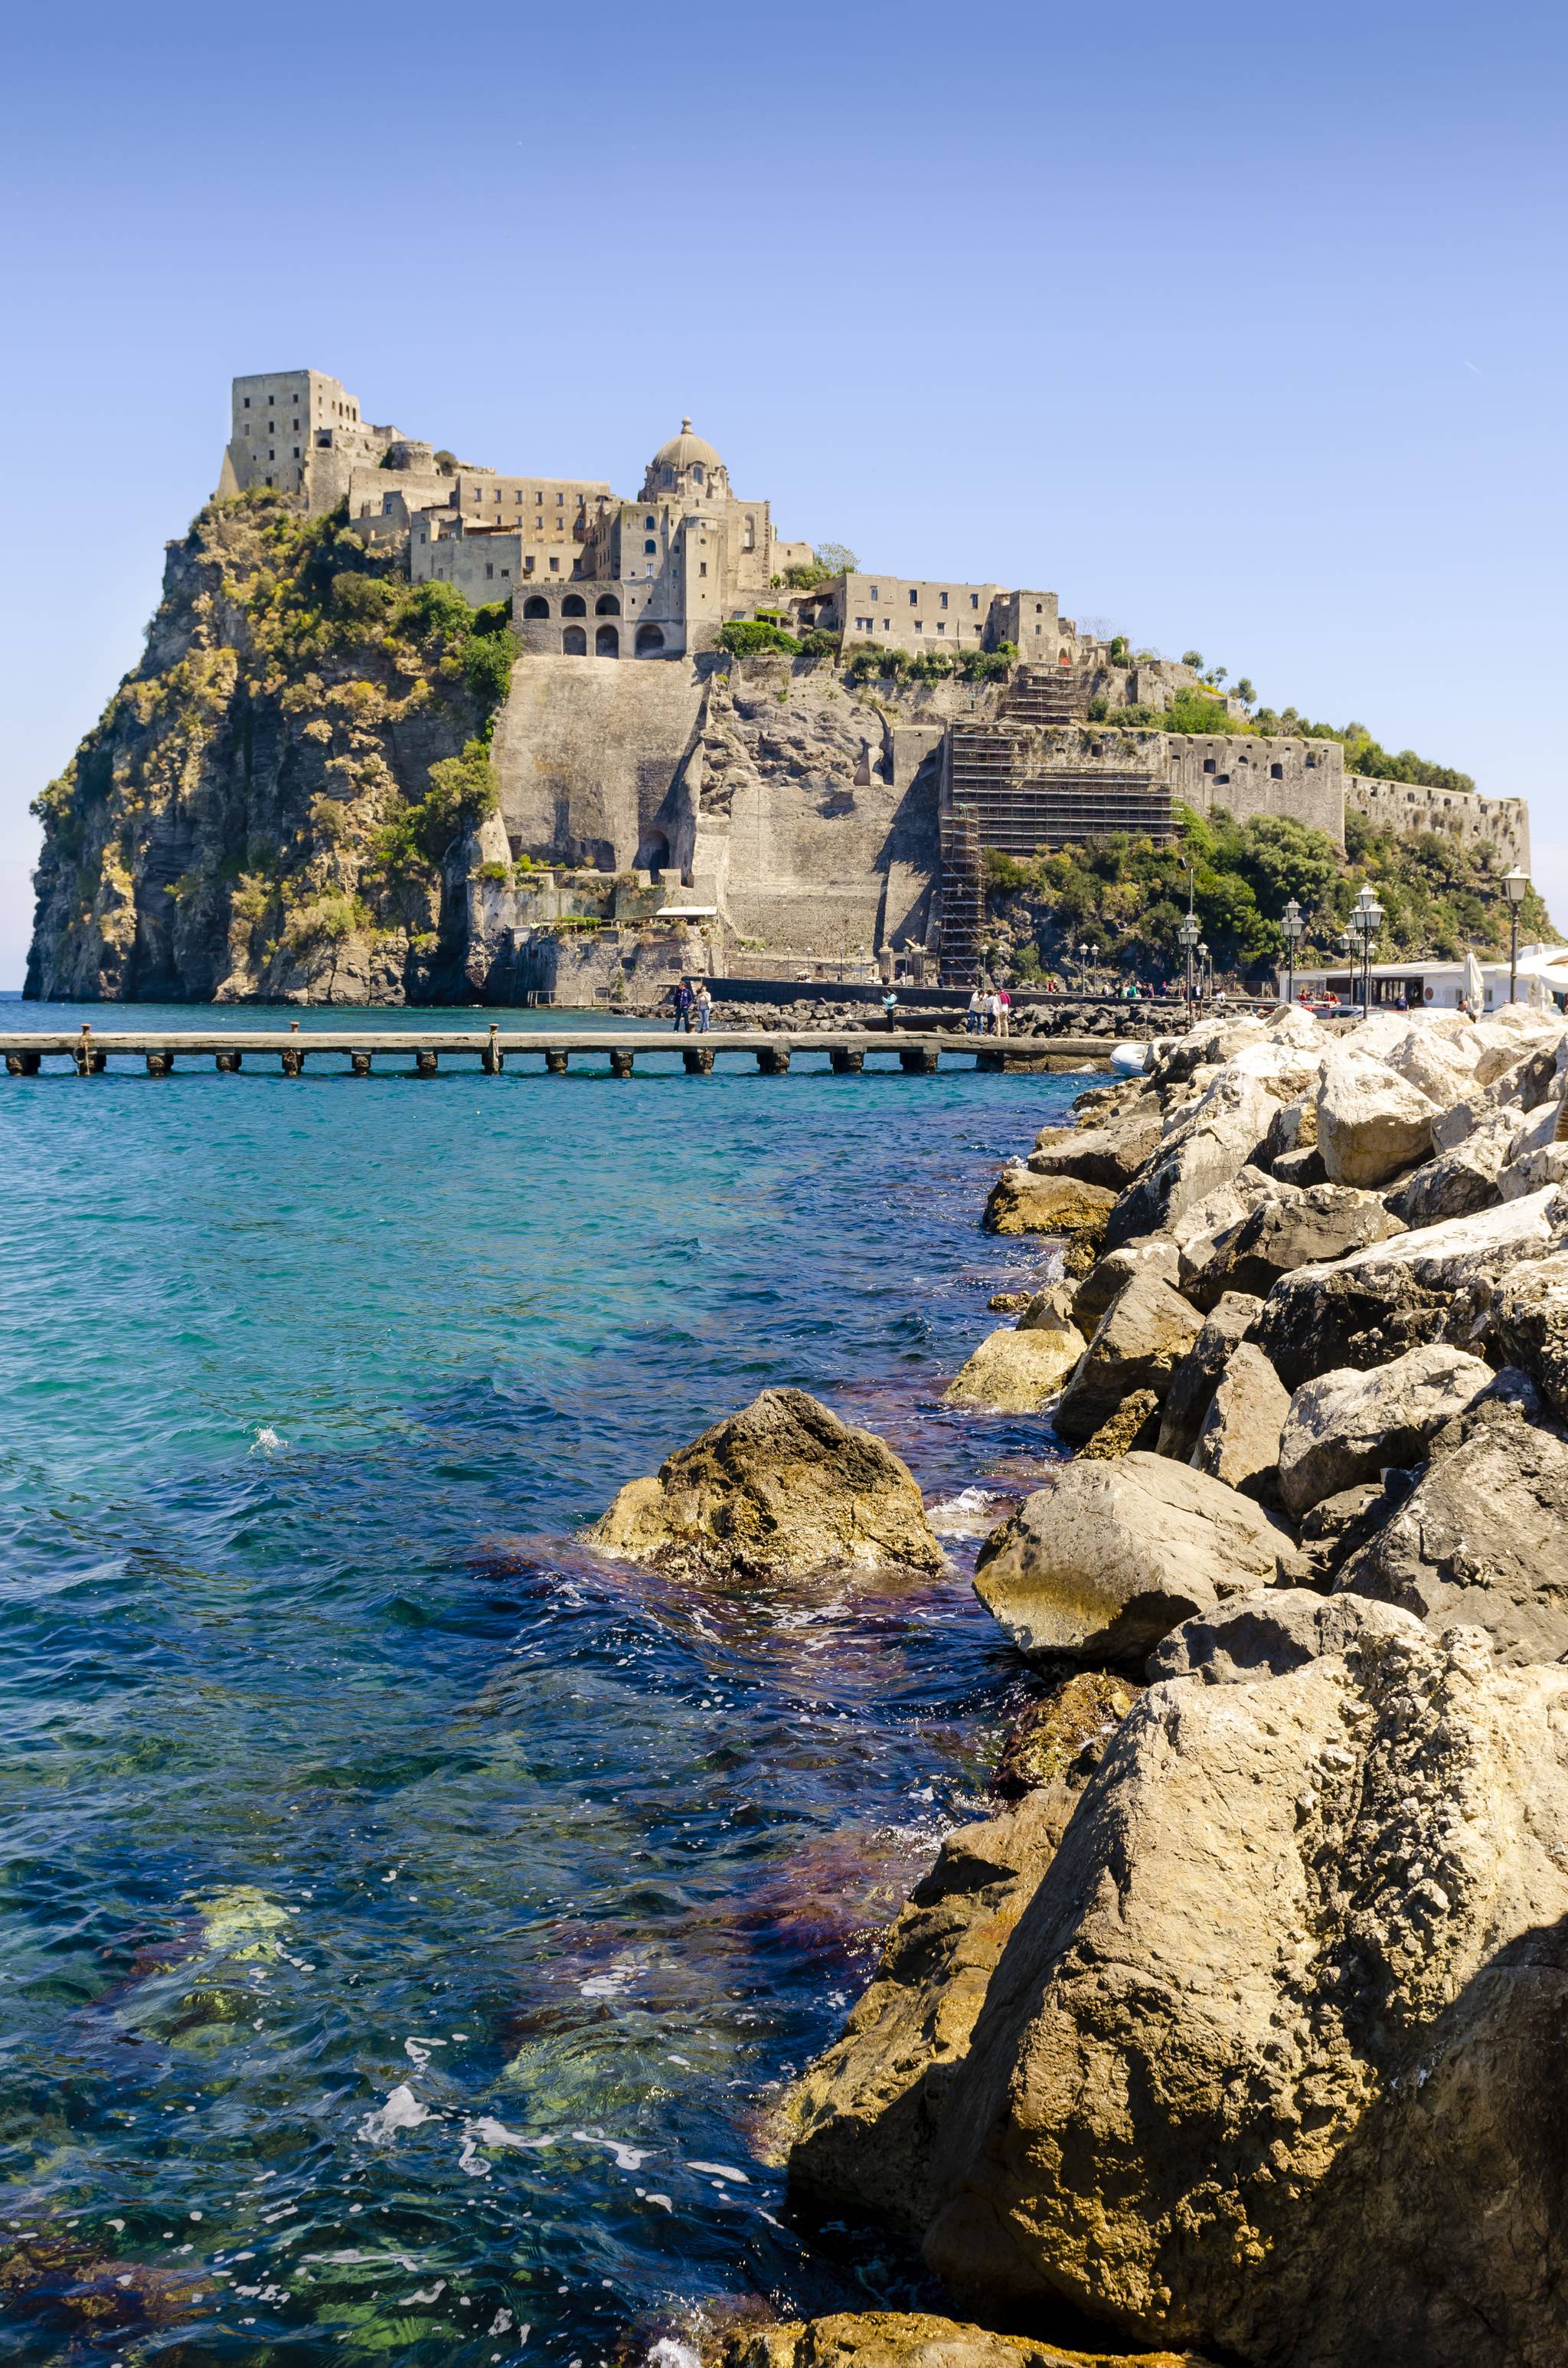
{"x": 403, "y": 1912}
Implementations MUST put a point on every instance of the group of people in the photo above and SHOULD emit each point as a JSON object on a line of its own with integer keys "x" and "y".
{"x": 694, "y": 1008}
{"x": 990, "y": 1012}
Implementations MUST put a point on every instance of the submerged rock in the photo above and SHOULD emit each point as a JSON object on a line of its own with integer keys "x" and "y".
{"x": 1269, "y": 2063}
{"x": 1060, "y": 1733}
{"x": 781, "y": 1489}
{"x": 1022, "y": 1203}
{"x": 901, "y": 2338}
{"x": 1107, "y": 1557}
{"x": 1017, "y": 1369}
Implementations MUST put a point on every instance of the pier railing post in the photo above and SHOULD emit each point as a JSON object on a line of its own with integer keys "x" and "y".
{"x": 90, "y": 1062}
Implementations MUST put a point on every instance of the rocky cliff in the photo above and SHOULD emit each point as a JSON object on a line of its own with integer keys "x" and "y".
{"x": 268, "y": 806}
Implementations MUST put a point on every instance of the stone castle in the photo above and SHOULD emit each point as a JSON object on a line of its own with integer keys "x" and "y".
{"x": 808, "y": 819}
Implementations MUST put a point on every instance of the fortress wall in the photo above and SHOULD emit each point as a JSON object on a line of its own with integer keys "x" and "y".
{"x": 1302, "y": 780}
{"x": 1409, "y": 806}
{"x": 586, "y": 750}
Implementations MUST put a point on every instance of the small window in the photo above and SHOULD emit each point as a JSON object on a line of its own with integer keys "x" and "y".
{"x": 914, "y": 597}
{"x": 875, "y": 594}
{"x": 247, "y": 403}
{"x": 702, "y": 567}
{"x": 1038, "y": 608}
{"x": 560, "y": 499}
{"x": 489, "y": 567}
{"x": 649, "y": 523}
{"x": 650, "y": 545}
{"x": 270, "y": 400}
{"x": 974, "y": 599}
{"x": 941, "y": 600}
{"x": 942, "y": 628}
{"x": 918, "y": 627}
{"x": 1209, "y": 764}
{"x": 296, "y": 451}
{"x": 1277, "y": 772}
{"x": 555, "y": 566}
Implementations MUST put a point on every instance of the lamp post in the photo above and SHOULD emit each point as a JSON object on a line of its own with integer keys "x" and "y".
{"x": 1205, "y": 975}
{"x": 1365, "y": 923}
{"x": 1515, "y": 884}
{"x": 1082, "y": 970}
{"x": 1293, "y": 927}
{"x": 1188, "y": 935}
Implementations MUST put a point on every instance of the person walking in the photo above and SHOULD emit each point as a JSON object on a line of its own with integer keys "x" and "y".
{"x": 890, "y": 1006}
{"x": 685, "y": 1004}
{"x": 1003, "y": 1012}
{"x": 704, "y": 1008}
{"x": 976, "y": 1019}
{"x": 994, "y": 1013}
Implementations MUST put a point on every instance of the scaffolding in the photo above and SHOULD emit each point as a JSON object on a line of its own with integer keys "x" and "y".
{"x": 963, "y": 900}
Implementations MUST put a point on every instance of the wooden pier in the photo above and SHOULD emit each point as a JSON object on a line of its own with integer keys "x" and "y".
{"x": 421, "y": 1051}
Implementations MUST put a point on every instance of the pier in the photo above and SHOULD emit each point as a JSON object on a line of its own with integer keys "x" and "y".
{"x": 421, "y": 1051}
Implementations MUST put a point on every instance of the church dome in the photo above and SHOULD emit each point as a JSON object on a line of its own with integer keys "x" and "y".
{"x": 683, "y": 449}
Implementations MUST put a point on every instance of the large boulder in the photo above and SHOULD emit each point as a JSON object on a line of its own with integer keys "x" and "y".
{"x": 1513, "y": 1075}
{"x": 1239, "y": 1440}
{"x": 1456, "y": 1182}
{"x": 1109, "y": 1154}
{"x": 781, "y": 1489}
{"x": 1264, "y": 1634}
{"x": 1341, "y": 1431}
{"x": 1193, "y": 1382}
{"x": 1146, "y": 1330}
{"x": 901, "y": 2338}
{"x": 1019, "y": 1369}
{"x": 1436, "y": 1283}
{"x": 1371, "y": 1122}
{"x": 1482, "y": 1540}
{"x": 1107, "y": 1557}
{"x": 861, "y": 2126}
{"x": 1104, "y": 1279}
{"x": 1269, "y": 2063}
{"x": 1204, "y": 1145}
{"x": 1531, "y": 1322}
{"x": 1308, "y": 1229}
{"x": 1020, "y": 1203}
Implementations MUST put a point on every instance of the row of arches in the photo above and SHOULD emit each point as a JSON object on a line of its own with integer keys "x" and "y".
{"x": 648, "y": 644}
{"x": 607, "y": 605}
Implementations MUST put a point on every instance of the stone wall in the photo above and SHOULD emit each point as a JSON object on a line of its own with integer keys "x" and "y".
{"x": 1409, "y": 807}
{"x": 1301, "y": 779}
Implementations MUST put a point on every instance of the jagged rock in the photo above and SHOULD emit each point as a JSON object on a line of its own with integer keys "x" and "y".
{"x": 1371, "y": 1122}
{"x": 1278, "y": 1629}
{"x": 1239, "y": 1440}
{"x": 1293, "y": 1127}
{"x": 1135, "y": 1423}
{"x": 1022, "y": 1203}
{"x": 1269, "y": 2063}
{"x": 889, "y": 2339}
{"x": 1009, "y": 1303}
{"x": 782, "y": 1487}
{"x": 1109, "y": 1155}
{"x": 1107, "y": 1556}
{"x": 862, "y": 2124}
{"x": 1248, "y": 1189}
{"x": 1438, "y": 1066}
{"x": 1067, "y": 1731}
{"x": 1530, "y": 1320}
{"x": 1277, "y": 1237}
{"x": 1482, "y": 1540}
{"x": 1147, "y": 1328}
{"x": 1019, "y": 1369}
{"x": 1342, "y": 1429}
{"x": 1304, "y": 1167}
{"x": 1456, "y": 1182}
{"x": 1104, "y": 1279}
{"x": 1506, "y": 1082}
{"x": 1204, "y": 1147}
{"x": 1193, "y": 1381}
{"x": 1436, "y": 1283}
{"x": 1339, "y": 1526}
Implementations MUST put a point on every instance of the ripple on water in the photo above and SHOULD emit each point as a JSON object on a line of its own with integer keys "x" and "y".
{"x": 410, "y": 1917}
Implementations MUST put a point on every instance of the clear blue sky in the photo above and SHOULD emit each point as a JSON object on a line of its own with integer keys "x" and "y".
{"x": 1242, "y": 328}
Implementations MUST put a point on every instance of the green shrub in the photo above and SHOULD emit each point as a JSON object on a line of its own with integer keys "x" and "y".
{"x": 487, "y": 660}
{"x": 750, "y": 638}
{"x": 819, "y": 643}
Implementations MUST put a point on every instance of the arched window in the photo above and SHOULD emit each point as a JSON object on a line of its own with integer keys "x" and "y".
{"x": 574, "y": 642}
{"x": 650, "y": 641}
{"x": 607, "y": 605}
{"x": 607, "y": 641}
{"x": 573, "y": 605}
{"x": 697, "y": 471}
{"x": 649, "y": 524}
{"x": 536, "y": 606}
{"x": 650, "y": 547}
{"x": 749, "y": 540}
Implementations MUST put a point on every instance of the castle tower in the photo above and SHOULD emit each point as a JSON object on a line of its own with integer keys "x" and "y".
{"x": 686, "y": 472}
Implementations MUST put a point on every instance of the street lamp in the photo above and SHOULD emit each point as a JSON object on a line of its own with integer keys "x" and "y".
{"x": 1515, "y": 884}
{"x": 1187, "y": 935}
{"x": 1366, "y": 924}
{"x": 1082, "y": 970}
{"x": 1205, "y": 974}
{"x": 1293, "y": 927}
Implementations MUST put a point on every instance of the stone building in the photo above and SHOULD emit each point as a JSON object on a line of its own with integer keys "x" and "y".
{"x": 301, "y": 431}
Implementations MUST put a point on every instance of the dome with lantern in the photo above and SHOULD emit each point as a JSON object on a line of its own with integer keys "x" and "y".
{"x": 686, "y": 468}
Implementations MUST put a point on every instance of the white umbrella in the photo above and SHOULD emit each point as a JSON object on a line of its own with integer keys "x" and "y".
{"x": 1475, "y": 984}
